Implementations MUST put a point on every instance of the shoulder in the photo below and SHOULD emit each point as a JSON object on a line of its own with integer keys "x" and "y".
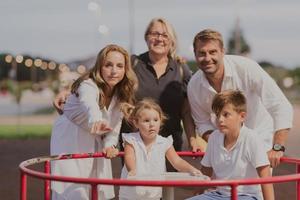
{"x": 240, "y": 62}
{"x": 89, "y": 83}
{"x": 196, "y": 78}
{"x": 250, "y": 136}
{"x": 88, "y": 87}
{"x": 165, "y": 141}
{"x": 130, "y": 137}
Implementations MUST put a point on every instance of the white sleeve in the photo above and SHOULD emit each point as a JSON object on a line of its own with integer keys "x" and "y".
{"x": 84, "y": 109}
{"x": 89, "y": 98}
{"x": 207, "y": 158}
{"x": 256, "y": 152}
{"x": 272, "y": 97}
{"x": 112, "y": 138}
{"x": 201, "y": 118}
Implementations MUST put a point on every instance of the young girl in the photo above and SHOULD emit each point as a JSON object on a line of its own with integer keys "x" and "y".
{"x": 145, "y": 151}
{"x": 91, "y": 122}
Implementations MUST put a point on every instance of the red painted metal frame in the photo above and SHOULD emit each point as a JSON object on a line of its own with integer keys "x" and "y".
{"x": 94, "y": 182}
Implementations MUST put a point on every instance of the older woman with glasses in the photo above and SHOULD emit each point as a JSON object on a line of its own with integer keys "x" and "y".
{"x": 163, "y": 76}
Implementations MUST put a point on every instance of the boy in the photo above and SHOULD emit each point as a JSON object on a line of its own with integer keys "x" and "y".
{"x": 234, "y": 151}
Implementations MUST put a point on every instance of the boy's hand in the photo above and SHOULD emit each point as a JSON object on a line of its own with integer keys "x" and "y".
{"x": 60, "y": 100}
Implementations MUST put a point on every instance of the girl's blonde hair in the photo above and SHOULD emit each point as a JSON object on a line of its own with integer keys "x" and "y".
{"x": 171, "y": 33}
{"x": 132, "y": 113}
{"x": 124, "y": 90}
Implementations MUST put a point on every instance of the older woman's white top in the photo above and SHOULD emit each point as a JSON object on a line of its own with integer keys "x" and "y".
{"x": 71, "y": 134}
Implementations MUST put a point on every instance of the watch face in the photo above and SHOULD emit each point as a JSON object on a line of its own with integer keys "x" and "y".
{"x": 277, "y": 147}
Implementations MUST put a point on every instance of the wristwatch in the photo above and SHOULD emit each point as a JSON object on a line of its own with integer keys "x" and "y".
{"x": 278, "y": 147}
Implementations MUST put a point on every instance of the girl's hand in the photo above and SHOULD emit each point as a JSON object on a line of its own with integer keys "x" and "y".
{"x": 199, "y": 173}
{"x": 196, "y": 173}
{"x": 100, "y": 127}
{"x": 111, "y": 152}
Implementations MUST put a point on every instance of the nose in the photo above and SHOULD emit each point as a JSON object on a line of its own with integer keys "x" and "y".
{"x": 220, "y": 119}
{"x": 207, "y": 57}
{"x": 113, "y": 69}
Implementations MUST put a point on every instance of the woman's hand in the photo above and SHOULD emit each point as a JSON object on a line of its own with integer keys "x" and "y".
{"x": 100, "y": 128}
{"x": 60, "y": 101}
{"x": 110, "y": 152}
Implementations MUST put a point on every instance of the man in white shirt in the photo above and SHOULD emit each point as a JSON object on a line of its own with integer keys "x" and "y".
{"x": 269, "y": 112}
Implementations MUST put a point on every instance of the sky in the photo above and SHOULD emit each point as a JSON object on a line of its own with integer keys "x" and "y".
{"x": 67, "y": 30}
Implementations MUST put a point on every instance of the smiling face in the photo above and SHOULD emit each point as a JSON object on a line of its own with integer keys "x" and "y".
{"x": 113, "y": 69}
{"x": 229, "y": 121}
{"x": 209, "y": 56}
{"x": 158, "y": 39}
{"x": 148, "y": 122}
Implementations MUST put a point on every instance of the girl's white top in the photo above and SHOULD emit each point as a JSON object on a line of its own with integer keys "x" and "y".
{"x": 147, "y": 164}
{"x": 71, "y": 134}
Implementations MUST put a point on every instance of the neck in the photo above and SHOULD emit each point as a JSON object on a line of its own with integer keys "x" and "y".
{"x": 216, "y": 79}
{"x": 230, "y": 140}
{"x": 148, "y": 143}
{"x": 158, "y": 58}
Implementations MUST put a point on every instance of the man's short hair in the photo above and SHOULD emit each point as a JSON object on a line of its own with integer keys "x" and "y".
{"x": 234, "y": 97}
{"x": 208, "y": 34}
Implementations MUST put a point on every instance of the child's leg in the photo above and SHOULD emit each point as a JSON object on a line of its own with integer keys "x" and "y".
{"x": 214, "y": 195}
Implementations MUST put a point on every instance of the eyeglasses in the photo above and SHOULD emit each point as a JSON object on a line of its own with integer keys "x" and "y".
{"x": 156, "y": 34}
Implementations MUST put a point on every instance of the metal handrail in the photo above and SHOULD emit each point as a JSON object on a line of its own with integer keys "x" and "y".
{"x": 94, "y": 182}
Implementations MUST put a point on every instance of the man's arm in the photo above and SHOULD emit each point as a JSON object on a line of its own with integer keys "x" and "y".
{"x": 279, "y": 137}
{"x": 189, "y": 128}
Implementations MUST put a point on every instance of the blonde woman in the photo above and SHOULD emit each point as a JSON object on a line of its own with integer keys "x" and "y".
{"x": 91, "y": 122}
{"x": 163, "y": 76}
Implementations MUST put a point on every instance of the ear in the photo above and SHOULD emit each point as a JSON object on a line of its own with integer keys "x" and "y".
{"x": 243, "y": 116}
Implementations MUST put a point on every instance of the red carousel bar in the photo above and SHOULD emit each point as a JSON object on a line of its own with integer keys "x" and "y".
{"x": 94, "y": 182}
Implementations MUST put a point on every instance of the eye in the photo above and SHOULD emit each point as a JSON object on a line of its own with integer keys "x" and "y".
{"x": 226, "y": 114}
{"x": 120, "y": 65}
{"x": 108, "y": 64}
{"x": 213, "y": 52}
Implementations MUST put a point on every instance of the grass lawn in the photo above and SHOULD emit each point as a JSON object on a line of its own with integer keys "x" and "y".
{"x": 24, "y": 131}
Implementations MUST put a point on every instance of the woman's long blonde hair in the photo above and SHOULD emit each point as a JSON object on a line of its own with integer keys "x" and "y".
{"x": 124, "y": 90}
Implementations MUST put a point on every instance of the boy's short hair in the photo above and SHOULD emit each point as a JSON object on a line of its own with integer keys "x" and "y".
{"x": 234, "y": 97}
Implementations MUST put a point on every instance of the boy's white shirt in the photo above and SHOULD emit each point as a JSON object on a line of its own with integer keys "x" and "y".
{"x": 240, "y": 162}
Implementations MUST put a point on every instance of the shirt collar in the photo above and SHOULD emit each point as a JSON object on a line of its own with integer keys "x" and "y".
{"x": 228, "y": 73}
{"x": 171, "y": 62}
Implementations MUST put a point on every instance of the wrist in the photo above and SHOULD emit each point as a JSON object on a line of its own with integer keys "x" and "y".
{"x": 278, "y": 147}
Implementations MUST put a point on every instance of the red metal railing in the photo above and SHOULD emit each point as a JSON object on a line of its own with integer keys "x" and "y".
{"x": 94, "y": 182}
